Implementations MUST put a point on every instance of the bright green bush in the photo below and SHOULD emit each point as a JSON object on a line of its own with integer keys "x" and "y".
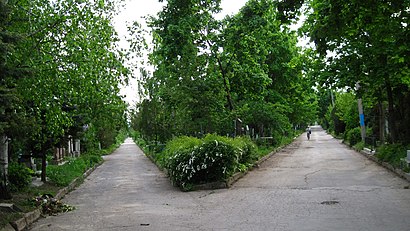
{"x": 181, "y": 143}
{"x": 212, "y": 161}
{"x": 191, "y": 161}
{"x": 247, "y": 150}
{"x": 19, "y": 176}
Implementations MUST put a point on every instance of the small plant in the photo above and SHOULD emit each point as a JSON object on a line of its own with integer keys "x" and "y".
{"x": 353, "y": 136}
{"x": 19, "y": 176}
{"x": 391, "y": 153}
{"x": 359, "y": 146}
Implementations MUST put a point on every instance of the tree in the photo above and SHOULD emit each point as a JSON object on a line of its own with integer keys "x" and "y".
{"x": 208, "y": 72}
{"x": 76, "y": 72}
{"x": 368, "y": 40}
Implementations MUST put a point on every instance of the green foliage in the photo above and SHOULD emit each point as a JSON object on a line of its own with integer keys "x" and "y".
{"x": 246, "y": 148}
{"x": 136, "y": 136}
{"x": 367, "y": 40}
{"x": 342, "y": 116}
{"x": 209, "y": 72}
{"x": 392, "y": 153}
{"x": 63, "y": 175}
{"x": 182, "y": 143}
{"x": 191, "y": 161}
{"x": 19, "y": 176}
{"x": 212, "y": 161}
{"x": 346, "y": 109}
{"x": 61, "y": 69}
{"x": 359, "y": 146}
{"x": 354, "y": 136}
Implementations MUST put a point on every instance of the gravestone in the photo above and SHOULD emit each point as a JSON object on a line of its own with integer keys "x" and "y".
{"x": 3, "y": 156}
{"x": 406, "y": 160}
{"x": 4, "y": 193}
{"x": 58, "y": 155}
{"x": 77, "y": 148}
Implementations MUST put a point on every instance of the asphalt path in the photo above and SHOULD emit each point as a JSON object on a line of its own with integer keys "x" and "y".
{"x": 316, "y": 184}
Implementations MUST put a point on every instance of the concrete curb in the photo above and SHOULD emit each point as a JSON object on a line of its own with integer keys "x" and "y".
{"x": 30, "y": 217}
{"x": 386, "y": 165}
{"x": 231, "y": 180}
{"x": 369, "y": 154}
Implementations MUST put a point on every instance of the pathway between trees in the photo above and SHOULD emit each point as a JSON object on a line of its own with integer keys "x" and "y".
{"x": 310, "y": 185}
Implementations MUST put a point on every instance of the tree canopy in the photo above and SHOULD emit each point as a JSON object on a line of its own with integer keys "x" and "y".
{"x": 210, "y": 73}
{"x": 61, "y": 72}
{"x": 365, "y": 42}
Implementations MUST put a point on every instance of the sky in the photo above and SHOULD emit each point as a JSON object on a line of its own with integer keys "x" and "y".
{"x": 134, "y": 10}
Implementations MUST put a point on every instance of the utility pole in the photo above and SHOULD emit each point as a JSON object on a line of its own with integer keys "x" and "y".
{"x": 361, "y": 114}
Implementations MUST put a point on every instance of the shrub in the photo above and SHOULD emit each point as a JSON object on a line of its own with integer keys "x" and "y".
{"x": 192, "y": 161}
{"x": 19, "y": 176}
{"x": 181, "y": 143}
{"x": 247, "y": 150}
{"x": 391, "y": 153}
{"x": 354, "y": 136}
{"x": 211, "y": 161}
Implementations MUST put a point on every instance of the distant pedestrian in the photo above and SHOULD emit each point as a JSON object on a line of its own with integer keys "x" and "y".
{"x": 308, "y": 132}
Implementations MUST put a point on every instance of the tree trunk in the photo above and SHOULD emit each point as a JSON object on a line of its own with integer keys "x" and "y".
{"x": 391, "y": 116}
{"x": 382, "y": 123}
{"x": 43, "y": 167}
{"x": 225, "y": 81}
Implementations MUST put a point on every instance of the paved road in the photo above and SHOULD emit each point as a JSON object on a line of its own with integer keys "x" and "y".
{"x": 310, "y": 185}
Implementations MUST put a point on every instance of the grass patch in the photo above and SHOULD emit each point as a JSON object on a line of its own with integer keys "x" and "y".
{"x": 63, "y": 175}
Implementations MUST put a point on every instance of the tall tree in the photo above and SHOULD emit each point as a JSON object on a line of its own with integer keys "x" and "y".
{"x": 77, "y": 69}
{"x": 369, "y": 41}
{"x": 208, "y": 72}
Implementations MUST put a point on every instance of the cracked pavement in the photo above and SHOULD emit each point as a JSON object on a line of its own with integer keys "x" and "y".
{"x": 311, "y": 185}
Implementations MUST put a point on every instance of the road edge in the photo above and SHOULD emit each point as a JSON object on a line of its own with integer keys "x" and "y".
{"x": 32, "y": 216}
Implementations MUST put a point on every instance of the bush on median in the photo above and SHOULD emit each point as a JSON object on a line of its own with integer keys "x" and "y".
{"x": 192, "y": 161}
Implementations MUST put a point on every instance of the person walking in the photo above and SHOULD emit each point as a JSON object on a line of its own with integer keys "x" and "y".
{"x": 308, "y": 132}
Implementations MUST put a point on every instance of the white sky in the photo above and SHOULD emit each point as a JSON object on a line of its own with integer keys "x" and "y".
{"x": 136, "y": 9}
